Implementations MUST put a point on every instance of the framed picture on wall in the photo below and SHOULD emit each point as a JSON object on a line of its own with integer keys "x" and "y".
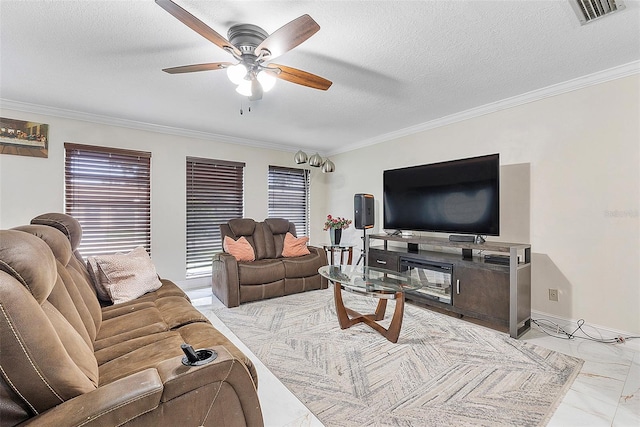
{"x": 24, "y": 138}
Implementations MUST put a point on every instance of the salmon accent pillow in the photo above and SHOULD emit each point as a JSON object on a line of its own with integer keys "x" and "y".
{"x": 295, "y": 246}
{"x": 240, "y": 249}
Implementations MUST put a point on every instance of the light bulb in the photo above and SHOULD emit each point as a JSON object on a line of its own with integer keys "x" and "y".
{"x": 236, "y": 73}
{"x": 244, "y": 88}
{"x": 266, "y": 80}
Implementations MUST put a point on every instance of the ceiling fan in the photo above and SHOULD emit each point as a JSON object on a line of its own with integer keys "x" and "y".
{"x": 252, "y": 47}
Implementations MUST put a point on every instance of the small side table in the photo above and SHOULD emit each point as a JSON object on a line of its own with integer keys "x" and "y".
{"x": 340, "y": 249}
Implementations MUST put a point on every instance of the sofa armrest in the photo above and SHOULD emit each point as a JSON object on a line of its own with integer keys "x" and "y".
{"x": 111, "y": 404}
{"x": 324, "y": 283}
{"x": 225, "y": 283}
{"x": 320, "y": 252}
{"x": 219, "y": 393}
{"x": 223, "y": 387}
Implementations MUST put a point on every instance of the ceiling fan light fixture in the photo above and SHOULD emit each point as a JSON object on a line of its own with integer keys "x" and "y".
{"x": 315, "y": 161}
{"x": 266, "y": 80}
{"x": 244, "y": 88}
{"x": 251, "y": 46}
{"x": 237, "y": 73}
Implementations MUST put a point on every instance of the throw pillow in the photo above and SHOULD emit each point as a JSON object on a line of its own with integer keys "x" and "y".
{"x": 295, "y": 246}
{"x": 98, "y": 278}
{"x": 129, "y": 276}
{"x": 240, "y": 249}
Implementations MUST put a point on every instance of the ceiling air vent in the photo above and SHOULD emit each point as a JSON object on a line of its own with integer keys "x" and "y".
{"x": 590, "y": 10}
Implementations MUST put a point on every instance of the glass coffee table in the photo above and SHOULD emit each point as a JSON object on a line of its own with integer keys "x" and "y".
{"x": 372, "y": 282}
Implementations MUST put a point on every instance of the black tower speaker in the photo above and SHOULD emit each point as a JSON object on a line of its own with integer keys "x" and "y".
{"x": 363, "y": 211}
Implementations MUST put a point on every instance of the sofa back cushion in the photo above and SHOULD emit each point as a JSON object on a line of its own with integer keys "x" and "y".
{"x": 72, "y": 229}
{"x": 45, "y": 361}
{"x": 275, "y": 230}
{"x": 250, "y": 230}
{"x": 68, "y": 225}
{"x": 65, "y": 295}
{"x": 30, "y": 261}
{"x": 266, "y": 238}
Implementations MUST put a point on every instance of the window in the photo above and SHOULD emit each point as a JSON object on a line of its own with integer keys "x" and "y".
{"x": 108, "y": 190}
{"x": 289, "y": 196}
{"x": 215, "y": 194}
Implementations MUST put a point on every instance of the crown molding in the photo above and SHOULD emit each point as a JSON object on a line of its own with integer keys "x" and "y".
{"x": 536, "y": 95}
{"x": 579, "y": 83}
{"x": 132, "y": 124}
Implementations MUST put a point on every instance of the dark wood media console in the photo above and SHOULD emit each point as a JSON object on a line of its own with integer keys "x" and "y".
{"x": 497, "y": 293}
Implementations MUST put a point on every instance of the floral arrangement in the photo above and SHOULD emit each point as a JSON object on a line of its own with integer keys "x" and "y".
{"x": 337, "y": 222}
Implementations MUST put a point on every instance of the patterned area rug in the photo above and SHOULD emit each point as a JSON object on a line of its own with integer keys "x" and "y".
{"x": 442, "y": 372}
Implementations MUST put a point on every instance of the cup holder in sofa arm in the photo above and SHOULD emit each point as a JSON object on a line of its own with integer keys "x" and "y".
{"x": 197, "y": 357}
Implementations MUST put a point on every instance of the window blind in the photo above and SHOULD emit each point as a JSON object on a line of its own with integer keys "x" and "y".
{"x": 108, "y": 190}
{"x": 215, "y": 194}
{"x": 289, "y": 196}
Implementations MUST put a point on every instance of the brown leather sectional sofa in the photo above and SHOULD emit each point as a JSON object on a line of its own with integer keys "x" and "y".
{"x": 65, "y": 360}
{"x": 270, "y": 275}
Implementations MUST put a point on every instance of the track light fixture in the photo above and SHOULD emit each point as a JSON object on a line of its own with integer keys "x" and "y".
{"x": 300, "y": 157}
{"x": 314, "y": 161}
{"x": 328, "y": 166}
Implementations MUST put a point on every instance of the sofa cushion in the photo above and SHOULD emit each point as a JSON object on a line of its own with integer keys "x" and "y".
{"x": 303, "y": 266}
{"x": 260, "y": 271}
{"x": 278, "y": 225}
{"x": 69, "y": 226}
{"x": 17, "y": 252}
{"x": 34, "y": 360}
{"x": 57, "y": 241}
{"x": 240, "y": 249}
{"x": 98, "y": 279}
{"x": 295, "y": 246}
{"x": 130, "y": 276}
{"x": 275, "y": 230}
{"x": 128, "y": 321}
{"x": 242, "y": 226}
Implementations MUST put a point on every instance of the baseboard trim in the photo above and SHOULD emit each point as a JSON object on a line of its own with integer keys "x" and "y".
{"x": 605, "y": 331}
{"x": 195, "y": 283}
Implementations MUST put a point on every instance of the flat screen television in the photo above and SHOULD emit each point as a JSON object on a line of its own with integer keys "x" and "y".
{"x": 458, "y": 196}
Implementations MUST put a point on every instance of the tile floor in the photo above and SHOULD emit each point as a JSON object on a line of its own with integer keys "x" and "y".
{"x": 605, "y": 393}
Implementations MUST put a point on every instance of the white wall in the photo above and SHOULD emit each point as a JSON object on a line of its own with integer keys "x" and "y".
{"x": 570, "y": 186}
{"x": 30, "y": 186}
{"x": 573, "y": 160}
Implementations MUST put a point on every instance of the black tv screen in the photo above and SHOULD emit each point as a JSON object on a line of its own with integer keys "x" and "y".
{"x": 458, "y": 196}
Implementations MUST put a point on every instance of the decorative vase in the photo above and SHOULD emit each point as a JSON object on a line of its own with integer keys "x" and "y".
{"x": 335, "y": 234}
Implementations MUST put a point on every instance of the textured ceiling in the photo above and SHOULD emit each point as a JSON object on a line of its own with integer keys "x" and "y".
{"x": 394, "y": 64}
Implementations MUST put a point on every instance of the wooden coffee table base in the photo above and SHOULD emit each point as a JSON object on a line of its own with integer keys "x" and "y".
{"x": 348, "y": 317}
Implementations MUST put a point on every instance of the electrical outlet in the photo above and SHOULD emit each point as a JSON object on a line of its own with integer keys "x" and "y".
{"x": 553, "y": 295}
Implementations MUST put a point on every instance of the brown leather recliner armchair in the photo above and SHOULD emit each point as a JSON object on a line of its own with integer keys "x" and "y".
{"x": 67, "y": 361}
{"x": 270, "y": 275}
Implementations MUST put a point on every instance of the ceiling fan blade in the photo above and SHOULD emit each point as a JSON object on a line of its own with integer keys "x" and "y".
{"x": 300, "y": 77}
{"x": 288, "y": 36}
{"x": 197, "y": 25}
{"x": 197, "y": 67}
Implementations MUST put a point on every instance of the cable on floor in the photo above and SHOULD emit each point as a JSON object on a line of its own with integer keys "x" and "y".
{"x": 555, "y": 330}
